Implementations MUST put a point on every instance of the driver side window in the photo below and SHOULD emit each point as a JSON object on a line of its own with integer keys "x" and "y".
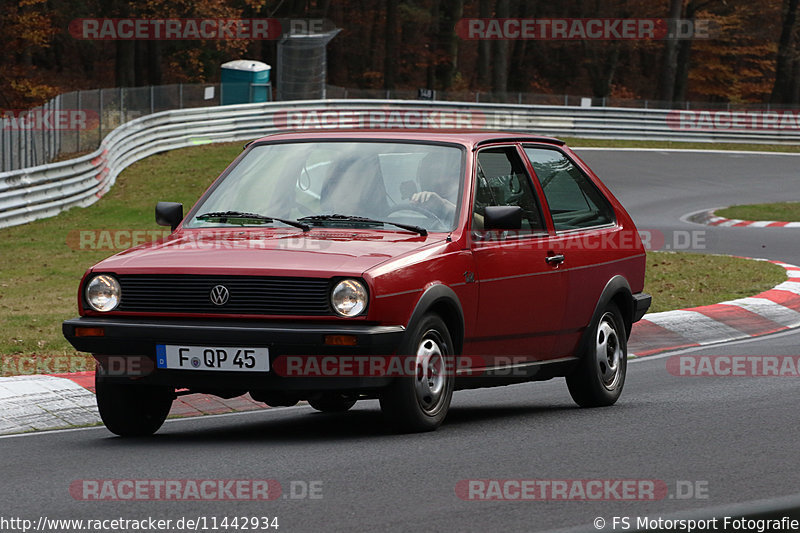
{"x": 503, "y": 181}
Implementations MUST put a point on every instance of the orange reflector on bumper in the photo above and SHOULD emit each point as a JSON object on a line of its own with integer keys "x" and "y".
{"x": 340, "y": 340}
{"x": 89, "y": 332}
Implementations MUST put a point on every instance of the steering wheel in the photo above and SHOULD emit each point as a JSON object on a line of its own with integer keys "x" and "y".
{"x": 413, "y": 206}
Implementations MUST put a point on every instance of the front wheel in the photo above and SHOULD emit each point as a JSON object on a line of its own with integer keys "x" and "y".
{"x": 600, "y": 375}
{"x": 132, "y": 410}
{"x": 420, "y": 402}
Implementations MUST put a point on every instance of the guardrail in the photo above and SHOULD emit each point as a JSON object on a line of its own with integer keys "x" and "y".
{"x": 43, "y": 191}
{"x": 79, "y": 120}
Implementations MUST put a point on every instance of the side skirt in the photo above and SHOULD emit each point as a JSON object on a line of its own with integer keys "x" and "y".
{"x": 497, "y": 376}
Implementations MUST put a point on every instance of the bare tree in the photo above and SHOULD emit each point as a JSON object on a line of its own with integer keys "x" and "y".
{"x": 484, "y": 47}
{"x": 669, "y": 66}
{"x": 390, "y": 45}
{"x": 450, "y": 12}
{"x": 432, "y": 48}
{"x": 786, "y": 70}
{"x": 500, "y": 64}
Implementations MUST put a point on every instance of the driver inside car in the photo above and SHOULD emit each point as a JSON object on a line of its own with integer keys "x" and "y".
{"x": 438, "y": 180}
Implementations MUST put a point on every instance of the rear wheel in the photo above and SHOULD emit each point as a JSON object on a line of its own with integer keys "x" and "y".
{"x": 132, "y": 410}
{"x": 600, "y": 376}
{"x": 420, "y": 402}
{"x": 332, "y": 403}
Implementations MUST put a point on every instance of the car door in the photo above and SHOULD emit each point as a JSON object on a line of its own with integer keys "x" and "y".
{"x": 586, "y": 233}
{"x": 520, "y": 283}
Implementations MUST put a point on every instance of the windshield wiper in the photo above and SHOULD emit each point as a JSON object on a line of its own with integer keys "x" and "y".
{"x": 223, "y": 216}
{"x": 351, "y": 218}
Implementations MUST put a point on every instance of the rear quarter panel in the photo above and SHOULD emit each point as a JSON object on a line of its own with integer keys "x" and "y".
{"x": 593, "y": 258}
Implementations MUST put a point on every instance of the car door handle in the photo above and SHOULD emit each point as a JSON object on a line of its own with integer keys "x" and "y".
{"x": 554, "y": 259}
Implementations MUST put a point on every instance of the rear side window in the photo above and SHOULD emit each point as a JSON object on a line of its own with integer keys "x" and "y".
{"x": 574, "y": 201}
{"x": 502, "y": 180}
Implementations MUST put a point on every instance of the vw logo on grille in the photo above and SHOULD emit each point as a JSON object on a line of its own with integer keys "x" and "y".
{"x": 219, "y": 295}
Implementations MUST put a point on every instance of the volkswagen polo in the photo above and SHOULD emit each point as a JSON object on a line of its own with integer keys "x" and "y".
{"x": 347, "y": 265}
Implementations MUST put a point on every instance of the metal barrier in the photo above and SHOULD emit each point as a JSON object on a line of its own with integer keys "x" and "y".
{"x": 43, "y": 191}
{"x": 77, "y": 121}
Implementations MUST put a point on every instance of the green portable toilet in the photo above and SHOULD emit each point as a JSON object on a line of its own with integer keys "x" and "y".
{"x": 244, "y": 81}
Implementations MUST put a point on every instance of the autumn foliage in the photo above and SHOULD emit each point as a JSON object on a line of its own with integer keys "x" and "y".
{"x": 753, "y": 57}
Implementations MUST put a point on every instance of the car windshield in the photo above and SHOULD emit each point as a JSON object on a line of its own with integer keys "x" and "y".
{"x": 415, "y": 184}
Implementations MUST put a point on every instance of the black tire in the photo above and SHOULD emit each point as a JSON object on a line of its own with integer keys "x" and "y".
{"x": 600, "y": 376}
{"x": 332, "y": 403}
{"x": 131, "y": 410}
{"x": 420, "y": 403}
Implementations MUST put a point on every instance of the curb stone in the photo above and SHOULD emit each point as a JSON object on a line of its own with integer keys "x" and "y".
{"x": 708, "y": 218}
{"x": 777, "y": 309}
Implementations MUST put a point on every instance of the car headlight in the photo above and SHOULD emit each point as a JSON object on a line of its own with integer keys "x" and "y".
{"x": 349, "y": 297}
{"x": 103, "y": 293}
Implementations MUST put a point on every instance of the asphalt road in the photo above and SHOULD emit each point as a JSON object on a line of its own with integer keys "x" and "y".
{"x": 659, "y": 188}
{"x": 733, "y": 440}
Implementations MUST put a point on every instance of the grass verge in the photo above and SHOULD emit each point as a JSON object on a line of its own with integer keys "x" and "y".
{"x": 678, "y": 280}
{"x": 42, "y": 262}
{"x": 779, "y": 212}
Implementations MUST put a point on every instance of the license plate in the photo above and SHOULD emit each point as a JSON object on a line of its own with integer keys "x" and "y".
{"x": 212, "y": 358}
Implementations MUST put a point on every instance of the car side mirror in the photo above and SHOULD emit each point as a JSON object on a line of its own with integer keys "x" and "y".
{"x": 502, "y": 217}
{"x": 169, "y": 214}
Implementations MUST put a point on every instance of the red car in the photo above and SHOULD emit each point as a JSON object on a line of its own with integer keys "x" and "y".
{"x": 337, "y": 266}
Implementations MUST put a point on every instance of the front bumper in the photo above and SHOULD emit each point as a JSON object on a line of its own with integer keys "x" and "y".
{"x": 136, "y": 339}
{"x": 641, "y": 303}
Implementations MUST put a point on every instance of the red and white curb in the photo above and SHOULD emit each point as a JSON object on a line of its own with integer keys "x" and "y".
{"x": 774, "y": 310}
{"x": 35, "y": 403}
{"x": 710, "y": 219}
{"x": 31, "y": 403}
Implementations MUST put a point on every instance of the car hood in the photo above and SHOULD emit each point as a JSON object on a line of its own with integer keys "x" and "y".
{"x": 317, "y": 253}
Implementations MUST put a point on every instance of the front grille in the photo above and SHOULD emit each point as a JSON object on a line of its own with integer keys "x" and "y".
{"x": 253, "y": 295}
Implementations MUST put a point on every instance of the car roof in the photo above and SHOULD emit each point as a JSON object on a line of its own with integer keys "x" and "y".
{"x": 466, "y": 137}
